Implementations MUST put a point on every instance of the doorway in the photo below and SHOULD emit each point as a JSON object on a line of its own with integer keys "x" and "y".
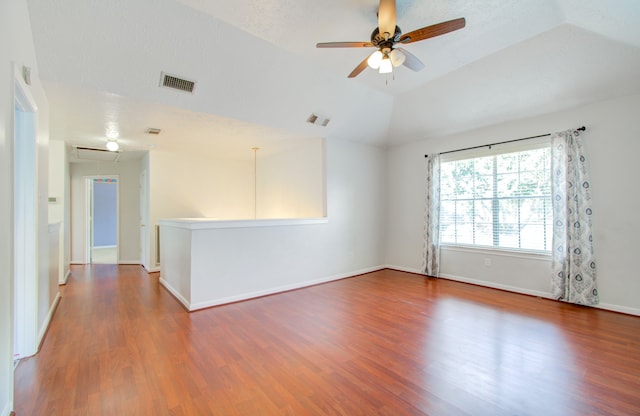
{"x": 25, "y": 220}
{"x": 102, "y": 219}
{"x": 144, "y": 220}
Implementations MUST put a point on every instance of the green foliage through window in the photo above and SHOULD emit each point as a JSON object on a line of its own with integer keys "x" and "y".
{"x": 502, "y": 200}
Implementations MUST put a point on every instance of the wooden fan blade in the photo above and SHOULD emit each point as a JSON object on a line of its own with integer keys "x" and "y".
{"x": 361, "y": 67}
{"x": 433, "y": 31}
{"x": 411, "y": 61}
{"x": 344, "y": 45}
{"x": 387, "y": 18}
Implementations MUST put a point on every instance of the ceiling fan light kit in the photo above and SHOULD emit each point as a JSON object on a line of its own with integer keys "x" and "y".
{"x": 385, "y": 37}
{"x": 375, "y": 59}
{"x": 397, "y": 57}
{"x": 385, "y": 66}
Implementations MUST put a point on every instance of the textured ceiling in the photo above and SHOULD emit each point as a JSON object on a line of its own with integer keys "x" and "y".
{"x": 259, "y": 75}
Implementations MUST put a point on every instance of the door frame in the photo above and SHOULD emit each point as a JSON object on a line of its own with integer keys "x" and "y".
{"x": 88, "y": 224}
{"x": 144, "y": 220}
{"x": 25, "y": 215}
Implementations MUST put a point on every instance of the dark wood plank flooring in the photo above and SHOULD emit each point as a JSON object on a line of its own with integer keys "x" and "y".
{"x": 385, "y": 343}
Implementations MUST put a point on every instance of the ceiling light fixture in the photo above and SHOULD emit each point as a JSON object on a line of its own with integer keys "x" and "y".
{"x": 385, "y": 60}
{"x": 397, "y": 57}
{"x": 375, "y": 60}
{"x": 385, "y": 65}
{"x": 112, "y": 145}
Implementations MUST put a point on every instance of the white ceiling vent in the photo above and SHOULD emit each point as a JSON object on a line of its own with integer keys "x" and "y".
{"x": 176, "y": 83}
{"x": 318, "y": 120}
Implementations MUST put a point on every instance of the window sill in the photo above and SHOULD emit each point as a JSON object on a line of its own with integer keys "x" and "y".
{"x": 495, "y": 251}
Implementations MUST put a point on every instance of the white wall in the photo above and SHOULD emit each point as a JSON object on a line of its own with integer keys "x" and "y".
{"x": 186, "y": 184}
{"x": 59, "y": 211}
{"x": 16, "y": 44}
{"x": 290, "y": 184}
{"x": 129, "y": 207}
{"x": 612, "y": 143}
{"x": 235, "y": 263}
{"x": 57, "y": 169}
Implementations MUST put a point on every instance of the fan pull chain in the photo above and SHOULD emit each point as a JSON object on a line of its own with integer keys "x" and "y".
{"x": 386, "y": 80}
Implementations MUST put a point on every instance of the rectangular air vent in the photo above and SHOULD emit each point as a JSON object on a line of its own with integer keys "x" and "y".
{"x": 153, "y": 131}
{"x": 177, "y": 83}
{"x": 318, "y": 120}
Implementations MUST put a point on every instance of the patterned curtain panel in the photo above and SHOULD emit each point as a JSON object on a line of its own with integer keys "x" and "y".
{"x": 574, "y": 267}
{"x": 431, "y": 257}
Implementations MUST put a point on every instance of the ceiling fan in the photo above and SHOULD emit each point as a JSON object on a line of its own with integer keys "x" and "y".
{"x": 387, "y": 35}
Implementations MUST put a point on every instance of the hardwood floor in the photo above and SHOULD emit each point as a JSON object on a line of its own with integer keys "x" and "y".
{"x": 385, "y": 343}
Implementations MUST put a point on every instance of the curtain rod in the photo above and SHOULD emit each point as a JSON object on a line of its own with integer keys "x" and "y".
{"x": 583, "y": 128}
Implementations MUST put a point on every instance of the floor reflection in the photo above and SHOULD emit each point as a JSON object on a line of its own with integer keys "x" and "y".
{"x": 490, "y": 357}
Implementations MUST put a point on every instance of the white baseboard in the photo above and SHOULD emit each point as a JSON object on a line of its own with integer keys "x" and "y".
{"x": 176, "y": 294}
{"x": 129, "y": 262}
{"x": 477, "y": 282}
{"x": 404, "y": 269}
{"x": 150, "y": 269}
{"x": 65, "y": 278}
{"x": 621, "y": 309}
{"x": 47, "y": 321}
{"x": 547, "y": 295}
{"x": 508, "y": 288}
{"x": 252, "y": 295}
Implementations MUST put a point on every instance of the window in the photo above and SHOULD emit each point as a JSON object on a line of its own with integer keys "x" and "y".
{"x": 501, "y": 199}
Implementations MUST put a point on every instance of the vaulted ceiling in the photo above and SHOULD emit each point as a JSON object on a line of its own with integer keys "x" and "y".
{"x": 259, "y": 75}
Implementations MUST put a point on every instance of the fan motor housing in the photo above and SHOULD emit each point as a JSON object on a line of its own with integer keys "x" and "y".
{"x": 378, "y": 40}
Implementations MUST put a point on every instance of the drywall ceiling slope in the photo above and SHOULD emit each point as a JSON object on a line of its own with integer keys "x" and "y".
{"x": 121, "y": 48}
{"x": 559, "y": 69}
{"x": 614, "y": 19}
{"x": 297, "y": 25}
{"x": 256, "y": 62}
{"x": 78, "y": 111}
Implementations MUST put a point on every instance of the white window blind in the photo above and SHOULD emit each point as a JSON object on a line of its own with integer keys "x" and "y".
{"x": 498, "y": 199}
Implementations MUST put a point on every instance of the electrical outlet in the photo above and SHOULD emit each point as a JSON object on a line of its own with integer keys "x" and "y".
{"x": 487, "y": 261}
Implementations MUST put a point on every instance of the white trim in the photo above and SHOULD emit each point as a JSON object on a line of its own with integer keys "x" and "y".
{"x": 77, "y": 263}
{"x": 25, "y": 235}
{"x": 478, "y": 282}
{"x": 66, "y": 277}
{"x": 498, "y": 251}
{"x": 47, "y": 321}
{"x": 280, "y": 289}
{"x": 620, "y": 309}
{"x": 252, "y": 295}
{"x": 99, "y": 247}
{"x": 151, "y": 269}
{"x": 492, "y": 285}
{"x": 404, "y": 269}
{"x": 604, "y": 306}
{"x": 7, "y": 409}
{"x": 89, "y": 215}
{"x": 211, "y": 223}
{"x": 175, "y": 293}
{"x": 130, "y": 262}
